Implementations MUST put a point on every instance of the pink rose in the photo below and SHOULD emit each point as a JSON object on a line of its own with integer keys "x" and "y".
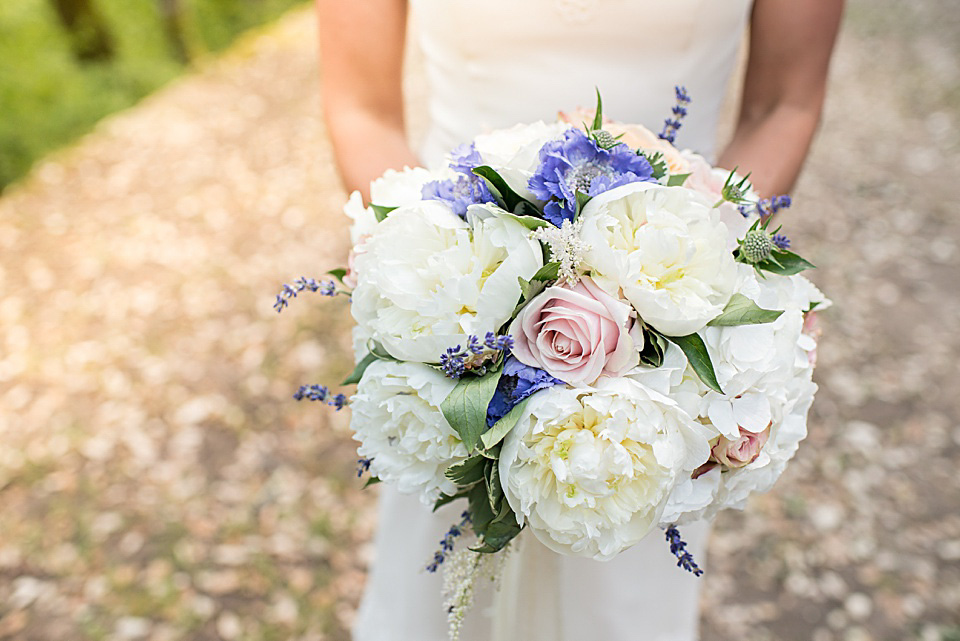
{"x": 742, "y": 451}
{"x": 576, "y": 334}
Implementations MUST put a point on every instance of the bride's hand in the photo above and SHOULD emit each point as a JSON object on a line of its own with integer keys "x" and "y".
{"x": 361, "y": 53}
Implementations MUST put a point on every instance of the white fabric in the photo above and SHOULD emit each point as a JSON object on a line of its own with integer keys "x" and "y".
{"x": 491, "y": 64}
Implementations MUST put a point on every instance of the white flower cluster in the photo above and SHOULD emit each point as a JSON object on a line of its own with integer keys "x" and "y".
{"x": 627, "y": 318}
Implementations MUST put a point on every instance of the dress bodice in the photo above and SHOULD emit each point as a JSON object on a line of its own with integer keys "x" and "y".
{"x": 495, "y": 63}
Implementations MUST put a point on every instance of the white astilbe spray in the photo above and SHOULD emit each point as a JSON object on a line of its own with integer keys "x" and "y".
{"x": 462, "y": 572}
{"x": 566, "y": 248}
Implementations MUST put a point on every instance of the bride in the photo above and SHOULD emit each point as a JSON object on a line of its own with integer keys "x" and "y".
{"x": 491, "y": 64}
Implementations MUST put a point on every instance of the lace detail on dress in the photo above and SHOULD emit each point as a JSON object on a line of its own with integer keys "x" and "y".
{"x": 576, "y": 11}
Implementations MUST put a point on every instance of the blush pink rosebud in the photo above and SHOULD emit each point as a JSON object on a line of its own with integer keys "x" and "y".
{"x": 742, "y": 451}
{"x": 576, "y": 334}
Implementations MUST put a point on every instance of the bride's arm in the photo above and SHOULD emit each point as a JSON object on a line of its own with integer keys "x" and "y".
{"x": 361, "y": 50}
{"x": 790, "y": 47}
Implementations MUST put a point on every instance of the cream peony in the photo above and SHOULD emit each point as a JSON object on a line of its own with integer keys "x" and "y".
{"x": 426, "y": 278}
{"x": 665, "y": 249}
{"x": 396, "y": 418}
{"x": 590, "y": 470}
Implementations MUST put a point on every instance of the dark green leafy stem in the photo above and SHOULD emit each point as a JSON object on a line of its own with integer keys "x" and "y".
{"x": 493, "y": 520}
{"x": 785, "y": 263}
{"x": 381, "y": 212}
{"x": 465, "y": 408}
{"x": 696, "y": 353}
{"x": 505, "y": 196}
{"x": 743, "y": 311}
{"x": 657, "y": 163}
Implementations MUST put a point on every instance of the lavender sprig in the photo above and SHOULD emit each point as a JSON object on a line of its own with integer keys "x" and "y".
{"x": 363, "y": 465}
{"x": 672, "y": 125}
{"x": 457, "y": 360}
{"x": 321, "y": 394}
{"x": 678, "y": 548}
{"x": 781, "y": 241}
{"x": 325, "y": 287}
{"x": 448, "y": 541}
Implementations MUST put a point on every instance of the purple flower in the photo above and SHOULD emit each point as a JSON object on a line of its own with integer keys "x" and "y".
{"x": 464, "y": 190}
{"x": 517, "y": 383}
{"x": 575, "y": 163}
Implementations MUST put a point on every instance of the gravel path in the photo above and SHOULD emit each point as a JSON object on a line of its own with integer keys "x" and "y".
{"x": 157, "y": 481}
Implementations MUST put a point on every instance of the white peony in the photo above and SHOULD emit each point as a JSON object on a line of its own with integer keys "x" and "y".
{"x": 393, "y": 189}
{"x": 396, "y": 418}
{"x": 765, "y": 372}
{"x": 515, "y": 152}
{"x": 665, "y": 248}
{"x": 590, "y": 470}
{"x": 426, "y": 278}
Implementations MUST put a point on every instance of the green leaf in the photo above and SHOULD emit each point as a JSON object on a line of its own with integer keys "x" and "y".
{"x": 657, "y": 163}
{"x": 530, "y": 288}
{"x": 381, "y": 212}
{"x": 654, "y": 346}
{"x": 582, "y": 200}
{"x": 501, "y": 428}
{"x": 467, "y": 472}
{"x": 530, "y": 222}
{"x": 548, "y": 272}
{"x": 677, "y": 180}
{"x": 598, "y": 115}
{"x": 743, "y": 311}
{"x": 465, "y": 408}
{"x": 446, "y": 498}
{"x": 502, "y": 192}
{"x": 491, "y": 477}
{"x": 360, "y": 369}
{"x": 373, "y": 480}
{"x": 338, "y": 273}
{"x": 699, "y": 358}
{"x": 785, "y": 263}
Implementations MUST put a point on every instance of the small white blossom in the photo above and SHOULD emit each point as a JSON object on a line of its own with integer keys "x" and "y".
{"x": 566, "y": 248}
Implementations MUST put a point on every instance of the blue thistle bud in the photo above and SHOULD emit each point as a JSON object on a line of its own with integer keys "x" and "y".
{"x": 756, "y": 246}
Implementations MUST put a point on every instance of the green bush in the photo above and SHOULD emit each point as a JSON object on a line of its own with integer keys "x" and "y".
{"x": 49, "y": 95}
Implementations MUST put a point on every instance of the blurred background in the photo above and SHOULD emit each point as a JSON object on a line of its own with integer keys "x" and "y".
{"x": 158, "y": 482}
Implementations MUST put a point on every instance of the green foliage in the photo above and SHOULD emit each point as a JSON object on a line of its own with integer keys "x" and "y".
{"x": 49, "y": 97}
{"x": 743, "y": 311}
{"x": 696, "y": 352}
{"x": 465, "y": 408}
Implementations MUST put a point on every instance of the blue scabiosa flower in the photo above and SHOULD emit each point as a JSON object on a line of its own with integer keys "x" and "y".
{"x": 575, "y": 163}
{"x": 517, "y": 383}
{"x": 464, "y": 190}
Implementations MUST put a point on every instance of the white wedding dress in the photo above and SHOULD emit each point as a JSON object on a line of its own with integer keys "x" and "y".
{"x": 492, "y": 64}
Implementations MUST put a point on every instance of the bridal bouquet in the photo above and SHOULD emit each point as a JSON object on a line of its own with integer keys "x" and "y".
{"x": 576, "y": 329}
